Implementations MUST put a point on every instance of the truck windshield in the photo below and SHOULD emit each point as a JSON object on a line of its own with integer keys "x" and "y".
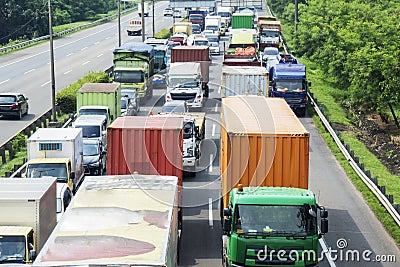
{"x": 187, "y": 130}
{"x": 213, "y": 28}
{"x": 274, "y": 220}
{"x": 201, "y": 43}
{"x": 91, "y": 131}
{"x": 159, "y": 53}
{"x": 269, "y": 33}
{"x": 94, "y": 111}
{"x": 12, "y": 249}
{"x": 290, "y": 86}
{"x": 37, "y": 170}
{"x": 122, "y": 76}
{"x": 183, "y": 83}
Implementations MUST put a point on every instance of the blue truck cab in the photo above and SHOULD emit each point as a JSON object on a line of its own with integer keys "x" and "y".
{"x": 288, "y": 80}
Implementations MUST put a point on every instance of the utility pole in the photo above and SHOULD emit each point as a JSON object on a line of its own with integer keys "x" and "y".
{"x": 53, "y": 82}
{"x": 143, "y": 22}
{"x": 154, "y": 27}
{"x": 296, "y": 14}
{"x": 119, "y": 23}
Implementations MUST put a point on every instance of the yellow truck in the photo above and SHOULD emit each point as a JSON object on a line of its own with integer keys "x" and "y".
{"x": 28, "y": 215}
{"x": 122, "y": 220}
{"x": 56, "y": 152}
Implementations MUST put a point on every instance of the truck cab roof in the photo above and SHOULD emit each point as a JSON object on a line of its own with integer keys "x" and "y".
{"x": 273, "y": 196}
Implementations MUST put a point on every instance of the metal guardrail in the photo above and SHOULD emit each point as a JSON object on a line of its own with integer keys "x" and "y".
{"x": 371, "y": 183}
{"x": 383, "y": 199}
{"x": 25, "y": 43}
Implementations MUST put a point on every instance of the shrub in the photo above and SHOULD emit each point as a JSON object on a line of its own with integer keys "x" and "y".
{"x": 66, "y": 98}
{"x": 163, "y": 34}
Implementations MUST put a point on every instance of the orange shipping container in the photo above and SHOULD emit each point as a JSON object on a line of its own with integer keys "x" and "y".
{"x": 263, "y": 143}
{"x": 147, "y": 145}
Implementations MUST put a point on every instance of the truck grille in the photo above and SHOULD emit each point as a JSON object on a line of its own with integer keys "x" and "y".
{"x": 271, "y": 259}
{"x": 183, "y": 96}
{"x": 293, "y": 100}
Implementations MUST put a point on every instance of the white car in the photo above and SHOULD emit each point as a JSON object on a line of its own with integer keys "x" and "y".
{"x": 214, "y": 48}
{"x": 177, "y": 13}
{"x": 168, "y": 11}
{"x": 64, "y": 197}
{"x": 178, "y": 106}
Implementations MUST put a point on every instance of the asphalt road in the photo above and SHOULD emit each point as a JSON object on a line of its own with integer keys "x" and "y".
{"x": 90, "y": 50}
{"x": 353, "y": 228}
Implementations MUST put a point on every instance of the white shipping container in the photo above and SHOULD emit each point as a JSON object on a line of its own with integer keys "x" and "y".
{"x": 244, "y": 80}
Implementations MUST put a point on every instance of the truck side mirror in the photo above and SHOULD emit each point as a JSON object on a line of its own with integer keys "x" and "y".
{"x": 112, "y": 117}
{"x": 324, "y": 226}
{"x": 72, "y": 175}
{"x": 323, "y": 213}
{"x": 196, "y": 129}
{"x": 227, "y": 225}
{"x": 227, "y": 212}
{"x": 309, "y": 84}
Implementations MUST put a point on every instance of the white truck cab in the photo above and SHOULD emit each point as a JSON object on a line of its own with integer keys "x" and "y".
{"x": 185, "y": 83}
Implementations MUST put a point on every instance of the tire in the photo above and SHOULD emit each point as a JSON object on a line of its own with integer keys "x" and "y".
{"x": 301, "y": 112}
{"x": 19, "y": 115}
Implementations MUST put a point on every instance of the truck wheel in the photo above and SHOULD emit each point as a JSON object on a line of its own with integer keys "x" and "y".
{"x": 301, "y": 112}
{"x": 206, "y": 92}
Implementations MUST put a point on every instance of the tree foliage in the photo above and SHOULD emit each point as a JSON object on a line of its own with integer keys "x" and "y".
{"x": 26, "y": 19}
{"x": 355, "y": 42}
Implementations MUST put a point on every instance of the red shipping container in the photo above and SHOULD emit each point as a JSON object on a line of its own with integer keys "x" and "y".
{"x": 147, "y": 145}
{"x": 199, "y": 54}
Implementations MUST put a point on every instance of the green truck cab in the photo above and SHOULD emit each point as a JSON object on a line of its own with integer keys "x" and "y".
{"x": 134, "y": 67}
{"x": 269, "y": 226}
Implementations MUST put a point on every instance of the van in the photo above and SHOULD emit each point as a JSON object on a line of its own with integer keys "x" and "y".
{"x": 93, "y": 127}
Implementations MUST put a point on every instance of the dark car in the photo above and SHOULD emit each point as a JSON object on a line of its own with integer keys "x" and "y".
{"x": 13, "y": 104}
{"x": 94, "y": 157}
{"x": 196, "y": 29}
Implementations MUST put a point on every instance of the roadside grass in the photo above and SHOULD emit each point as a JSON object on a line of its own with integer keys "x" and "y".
{"x": 326, "y": 95}
{"x": 9, "y": 166}
{"x": 64, "y": 27}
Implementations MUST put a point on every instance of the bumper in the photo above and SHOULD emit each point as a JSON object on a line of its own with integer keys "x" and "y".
{"x": 189, "y": 161}
{"x": 9, "y": 113}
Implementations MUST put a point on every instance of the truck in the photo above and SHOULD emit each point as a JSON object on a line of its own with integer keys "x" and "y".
{"x": 56, "y": 152}
{"x": 146, "y": 9}
{"x": 242, "y": 21}
{"x": 200, "y": 54}
{"x": 134, "y": 27}
{"x": 288, "y": 80}
{"x": 134, "y": 68}
{"x": 244, "y": 80}
{"x": 242, "y": 51}
{"x": 226, "y": 14}
{"x": 212, "y": 23}
{"x": 266, "y": 205}
{"x": 182, "y": 27}
{"x": 28, "y": 215}
{"x": 193, "y": 133}
{"x": 184, "y": 82}
{"x": 139, "y": 225}
{"x": 268, "y": 36}
{"x": 146, "y": 145}
{"x": 100, "y": 95}
{"x": 197, "y": 17}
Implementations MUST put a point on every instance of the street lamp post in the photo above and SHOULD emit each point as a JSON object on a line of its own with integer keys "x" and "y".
{"x": 119, "y": 23}
{"x": 53, "y": 82}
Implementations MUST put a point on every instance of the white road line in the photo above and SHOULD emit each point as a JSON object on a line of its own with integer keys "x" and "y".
{"x": 70, "y": 54}
{"x": 108, "y": 37}
{"x": 45, "y": 83}
{"x": 210, "y": 168}
{"x": 84, "y": 48}
{"x": 210, "y": 214}
{"x": 100, "y": 55}
{"x": 83, "y": 64}
{"x": 26, "y": 72}
{"x": 327, "y": 252}
{"x": 97, "y": 42}
{"x": 219, "y": 89}
{"x": 213, "y": 130}
{"x": 67, "y": 72}
{"x": 216, "y": 108}
{"x": 4, "y": 81}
